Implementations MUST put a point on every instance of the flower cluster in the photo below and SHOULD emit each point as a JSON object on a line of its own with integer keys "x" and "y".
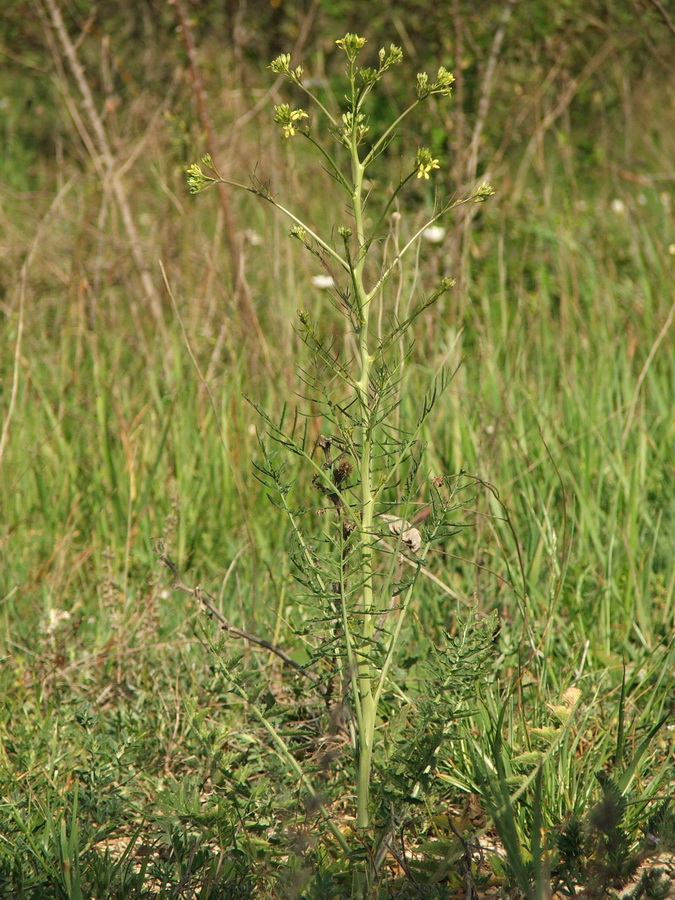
{"x": 386, "y": 59}
{"x": 442, "y": 85}
{"x": 484, "y": 191}
{"x": 351, "y": 44}
{"x": 288, "y": 118}
{"x": 197, "y": 179}
{"x": 282, "y": 66}
{"x": 298, "y": 232}
{"x": 424, "y": 163}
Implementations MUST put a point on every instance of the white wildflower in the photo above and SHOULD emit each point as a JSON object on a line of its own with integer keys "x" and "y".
{"x": 323, "y": 282}
{"x": 434, "y": 234}
{"x": 253, "y": 237}
{"x": 55, "y": 619}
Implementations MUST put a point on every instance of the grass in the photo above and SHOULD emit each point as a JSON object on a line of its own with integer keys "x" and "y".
{"x": 129, "y": 767}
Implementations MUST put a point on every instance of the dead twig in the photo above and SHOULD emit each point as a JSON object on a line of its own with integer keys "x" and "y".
{"x": 207, "y": 602}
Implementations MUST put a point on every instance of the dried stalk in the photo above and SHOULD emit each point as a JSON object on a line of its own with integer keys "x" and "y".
{"x": 486, "y": 91}
{"x": 23, "y": 280}
{"x": 242, "y": 296}
{"x": 467, "y": 165}
{"x": 561, "y": 106}
{"x": 111, "y": 177}
{"x": 206, "y": 601}
{"x": 664, "y": 15}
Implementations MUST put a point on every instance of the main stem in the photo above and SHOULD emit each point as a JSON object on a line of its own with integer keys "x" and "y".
{"x": 366, "y": 732}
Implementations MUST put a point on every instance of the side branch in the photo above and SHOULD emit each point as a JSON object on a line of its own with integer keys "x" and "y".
{"x": 206, "y": 601}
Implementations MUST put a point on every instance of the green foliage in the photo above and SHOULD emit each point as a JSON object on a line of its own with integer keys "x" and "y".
{"x": 420, "y": 730}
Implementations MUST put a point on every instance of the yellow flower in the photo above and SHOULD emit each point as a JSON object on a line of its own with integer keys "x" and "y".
{"x": 295, "y": 116}
{"x": 288, "y": 118}
{"x": 424, "y": 168}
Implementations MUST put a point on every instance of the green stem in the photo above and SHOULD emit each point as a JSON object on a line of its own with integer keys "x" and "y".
{"x": 366, "y": 725}
{"x": 287, "y": 212}
{"x": 304, "y": 780}
{"x": 413, "y": 240}
{"x": 393, "y": 641}
{"x": 316, "y": 100}
{"x": 382, "y": 140}
{"x": 334, "y": 168}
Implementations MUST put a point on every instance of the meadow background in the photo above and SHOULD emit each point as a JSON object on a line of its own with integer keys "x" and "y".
{"x": 136, "y": 319}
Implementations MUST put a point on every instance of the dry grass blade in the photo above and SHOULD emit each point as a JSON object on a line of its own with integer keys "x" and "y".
{"x": 23, "y": 280}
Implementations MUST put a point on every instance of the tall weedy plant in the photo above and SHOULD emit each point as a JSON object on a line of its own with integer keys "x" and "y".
{"x": 366, "y": 464}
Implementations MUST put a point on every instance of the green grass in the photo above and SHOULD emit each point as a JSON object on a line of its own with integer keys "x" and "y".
{"x": 128, "y": 766}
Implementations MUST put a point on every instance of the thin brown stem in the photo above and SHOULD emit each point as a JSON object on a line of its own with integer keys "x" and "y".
{"x": 664, "y": 15}
{"x": 112, "y": 178}
{"x": 207, "y": 602}
{"x": 23, "y": 279}
{"x": 465, "y": 216}
{"x": 242, "y": 296}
